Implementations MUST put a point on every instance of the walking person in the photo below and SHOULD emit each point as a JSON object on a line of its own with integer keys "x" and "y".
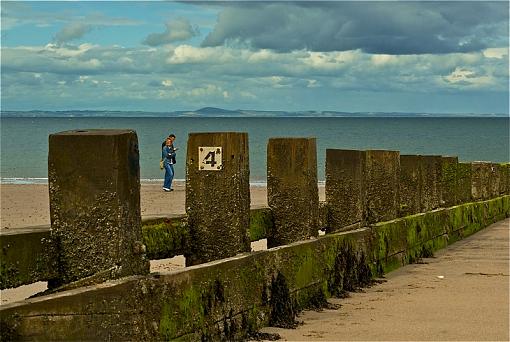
{"x": 168, "y": 154}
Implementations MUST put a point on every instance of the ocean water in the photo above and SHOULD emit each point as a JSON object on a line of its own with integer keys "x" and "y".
{"x": 24, "y": 141}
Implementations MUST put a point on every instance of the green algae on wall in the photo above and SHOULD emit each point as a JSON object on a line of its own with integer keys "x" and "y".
{"x": 261, "y": 220}
{"x": 164, "y": 238}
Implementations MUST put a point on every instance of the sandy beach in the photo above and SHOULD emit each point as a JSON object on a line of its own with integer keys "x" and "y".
{"x": 25, "y": 205}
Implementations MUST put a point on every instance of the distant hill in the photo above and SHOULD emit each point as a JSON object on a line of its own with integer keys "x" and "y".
{"x": 213, "y": 110}
{"x": 220, "y": 112}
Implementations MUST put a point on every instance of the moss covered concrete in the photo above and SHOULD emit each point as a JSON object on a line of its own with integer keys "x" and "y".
{"x": 261, "y": 220}
{"x": 164, "y": 238}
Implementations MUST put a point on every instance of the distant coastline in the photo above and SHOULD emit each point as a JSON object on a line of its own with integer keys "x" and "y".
{"x": 212, "y": 112}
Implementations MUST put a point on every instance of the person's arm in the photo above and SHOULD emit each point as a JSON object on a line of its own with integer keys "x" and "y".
{"x": 168, "y": 152}
{"x": 164, "y": 152}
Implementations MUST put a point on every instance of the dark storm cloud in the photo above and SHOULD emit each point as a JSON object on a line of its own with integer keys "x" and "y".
{"x": 374, "y": 27}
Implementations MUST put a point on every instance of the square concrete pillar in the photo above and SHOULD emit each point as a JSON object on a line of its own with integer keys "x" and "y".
{"x": 504, "y": 184}
{"x": 345, "y": 195}
{"x": 292, "y": 190}
{"x": 481, "y": 173}
{"x": 94, "y": 189}
{"x": 449, "y": 180}
{"x": 410, "y": 184}
{"x": 464, "y": 183}
{"x": 494, "y": 180}
{"x": 431, "y": 182}
{"x": 382, "y": 182}
{"x": 217, "y": 196}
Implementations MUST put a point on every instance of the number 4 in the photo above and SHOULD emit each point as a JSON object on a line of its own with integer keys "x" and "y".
{"x": 210, "y": 158}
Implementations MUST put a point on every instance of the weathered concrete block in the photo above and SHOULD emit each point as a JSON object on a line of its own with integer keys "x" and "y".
{"x": 494, "y": 180}
{"x": 410, "y": 184}
{"x": 481, "y": 173}
{"x": 217, "y": 201}
{"x": 26, "y": 256}
{"x": 292, "y": 190}
{"x": 504, "y": 184}
{"x": 431, "y": 182}
{"x": 464, "y": 183}
{"x": 382, "y": 177}
{"x": 94, "y": 188}
{"x": 449, "y": 180}
{"x": 345, "y": 195}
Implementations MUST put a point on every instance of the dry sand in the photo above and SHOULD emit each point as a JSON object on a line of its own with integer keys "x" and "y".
{"x": 461, "y": 294}
{"x": 28, "y": 205}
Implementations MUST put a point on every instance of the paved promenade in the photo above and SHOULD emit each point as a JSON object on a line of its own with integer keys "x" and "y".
{"x": 461, "y": 294}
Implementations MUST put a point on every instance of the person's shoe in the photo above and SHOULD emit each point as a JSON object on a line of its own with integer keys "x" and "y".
{"x": 167, "y": 189}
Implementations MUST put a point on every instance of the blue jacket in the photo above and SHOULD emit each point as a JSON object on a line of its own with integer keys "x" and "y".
{"x": 168, "y": 154}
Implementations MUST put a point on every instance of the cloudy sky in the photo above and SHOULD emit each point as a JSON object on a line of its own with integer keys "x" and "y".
{"x": 449, "y": 57}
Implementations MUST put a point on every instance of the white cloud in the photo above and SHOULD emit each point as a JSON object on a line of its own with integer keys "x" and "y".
{"x": 469, "y": 78}
{"x": 382, "y": 59}
{"x": 207, "y": 90}
{"x": 167, "y": 83}
{"x": 212, "y": 75}
{"x": 496, "y": 52}
{"x": 313, "y": 84}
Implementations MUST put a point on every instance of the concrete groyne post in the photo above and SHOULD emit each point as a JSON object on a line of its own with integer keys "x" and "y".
{"x": 94, "y": 190}
{"x": 292, "y": 189}
{"x": 431, "y": 182}
{"x": 464, "y": 183}
{"x": 504, "y": 184}
{"x": 410, "y": 184}
{"x": 495, "y": 180}
{"x": 449, "y": 186}
{"x": 481, "y": 173}
{"x": 345, "y": 196}
{"x": 217, "y": 196}
{"x": 382, "y": 178}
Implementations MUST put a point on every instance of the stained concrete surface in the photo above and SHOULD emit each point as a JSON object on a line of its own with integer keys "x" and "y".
{"x": 460, "y": 294}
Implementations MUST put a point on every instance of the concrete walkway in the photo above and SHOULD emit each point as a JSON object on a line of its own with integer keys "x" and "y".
{"x": 460, "y": 294}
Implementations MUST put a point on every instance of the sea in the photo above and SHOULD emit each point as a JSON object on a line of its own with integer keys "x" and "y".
{"x": 24, "y": 140}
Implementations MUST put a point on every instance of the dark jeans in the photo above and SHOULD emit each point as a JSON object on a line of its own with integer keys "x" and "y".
{"x": 169, "y": 176}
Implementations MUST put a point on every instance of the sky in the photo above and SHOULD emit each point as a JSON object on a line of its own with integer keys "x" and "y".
{"x": 406, "y": 56}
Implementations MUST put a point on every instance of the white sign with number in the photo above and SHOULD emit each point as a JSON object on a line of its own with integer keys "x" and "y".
{"x": 210, "y": 158}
